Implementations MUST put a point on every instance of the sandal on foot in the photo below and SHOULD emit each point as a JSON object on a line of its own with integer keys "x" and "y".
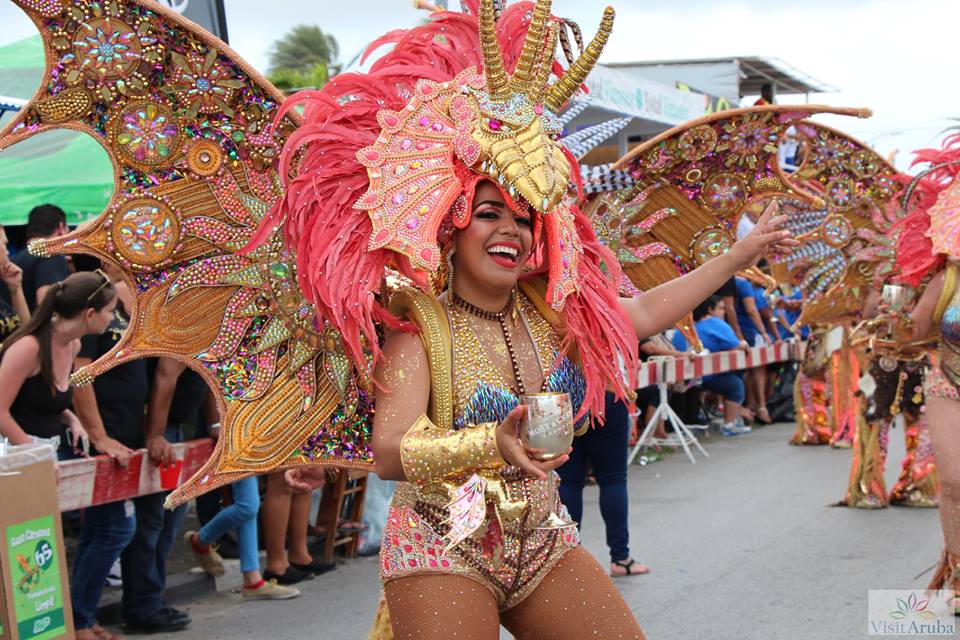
{"x": 346, "y": 527}
{"x": 631, "y": 568}
{"x": 763, "y": 416}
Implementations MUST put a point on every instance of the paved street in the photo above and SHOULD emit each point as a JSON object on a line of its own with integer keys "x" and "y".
{"x": 742, "y": 545}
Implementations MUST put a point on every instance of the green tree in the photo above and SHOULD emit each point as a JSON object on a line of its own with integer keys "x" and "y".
{"x": 302, "y": 49}
{"x": 292, "y": 79}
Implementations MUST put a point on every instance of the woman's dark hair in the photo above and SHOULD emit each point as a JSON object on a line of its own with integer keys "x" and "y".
{"x": 703, "y": 309}
{"x": 67, "y": 298}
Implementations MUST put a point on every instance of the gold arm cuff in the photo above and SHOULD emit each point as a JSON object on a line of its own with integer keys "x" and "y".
{"x": 428, "y": 452}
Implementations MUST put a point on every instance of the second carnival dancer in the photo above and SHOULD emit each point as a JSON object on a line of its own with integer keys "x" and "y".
{"x": 522, "y": 306}
{"x": 930, "y": 244}
{"x": 891, "y": 387}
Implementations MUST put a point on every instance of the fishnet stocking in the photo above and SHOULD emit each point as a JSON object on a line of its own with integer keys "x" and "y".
{"x": 577, "y": 599}
{"x": 941, "y": 416}
{"x": 441, "y": 607}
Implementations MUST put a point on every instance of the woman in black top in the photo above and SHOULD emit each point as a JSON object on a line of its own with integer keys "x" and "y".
{"x": 36, "y": 361}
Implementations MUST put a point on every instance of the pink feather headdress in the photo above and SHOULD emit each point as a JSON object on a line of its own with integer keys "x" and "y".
{"x": 931, "y": 224}
{"x": 383, "y": 160}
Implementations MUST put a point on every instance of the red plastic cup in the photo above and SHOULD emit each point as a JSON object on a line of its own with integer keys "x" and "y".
{"x": 170, "y": 475}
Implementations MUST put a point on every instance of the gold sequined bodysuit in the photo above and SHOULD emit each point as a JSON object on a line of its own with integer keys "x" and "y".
{"x": 943, "y": 381}
{"x": 510, "y": 566}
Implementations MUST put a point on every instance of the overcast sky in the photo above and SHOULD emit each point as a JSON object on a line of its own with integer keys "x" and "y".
{"x": 898, "y": 58}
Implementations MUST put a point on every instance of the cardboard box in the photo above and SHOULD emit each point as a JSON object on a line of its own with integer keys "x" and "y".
{"x": 33, "y": 566}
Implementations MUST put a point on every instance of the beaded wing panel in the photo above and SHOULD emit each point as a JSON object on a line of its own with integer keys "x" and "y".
{"x": 690, "y": 186}
{"x": 189, "y": 129}
{"x": 848, "y": 244}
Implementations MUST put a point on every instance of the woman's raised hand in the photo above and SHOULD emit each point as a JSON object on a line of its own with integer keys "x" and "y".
{"x": 768, "y": 238}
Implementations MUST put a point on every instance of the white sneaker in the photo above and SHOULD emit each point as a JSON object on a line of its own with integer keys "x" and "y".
{"x": 114, "y": 578}
{"x": 731, "y": 429}
{"x": 270, "y": 590}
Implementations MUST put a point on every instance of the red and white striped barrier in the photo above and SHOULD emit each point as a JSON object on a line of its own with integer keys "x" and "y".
{"x": 92, "y": 481}
{"x": 694, "y": 366}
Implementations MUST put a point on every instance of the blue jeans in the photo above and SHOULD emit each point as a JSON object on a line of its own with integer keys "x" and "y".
{"x": 729, "y": 385}
{"x": 107, "y": 529}
{"x": 144, "y": 560}
{"x": 606, "y": 449}
{"x": 242, "y": 516}
{"x": 208, "y": 504}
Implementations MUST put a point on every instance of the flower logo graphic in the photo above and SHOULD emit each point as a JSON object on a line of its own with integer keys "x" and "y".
{"x": 912, "y": 606}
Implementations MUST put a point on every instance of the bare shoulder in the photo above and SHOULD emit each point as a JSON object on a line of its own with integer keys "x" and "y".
{"x": 26, "y": 347}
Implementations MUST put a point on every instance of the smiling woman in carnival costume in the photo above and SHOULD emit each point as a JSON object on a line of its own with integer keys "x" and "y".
{"x": 930, "y": 243}
{"x": 450, "y": 145}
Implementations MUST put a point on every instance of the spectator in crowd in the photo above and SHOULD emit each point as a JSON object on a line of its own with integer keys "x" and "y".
{"x": 716, "y": 336}
{"x": 766, "y": 95}
{"x": 36, "y": 361}
{"x": 111, "y": 410}
{"x": 176, "y": 396}
{"x": 285, "y": 520}
{"x": 241, "y": 515}
{"x": 45, "y": 221}
{"x": 605, "y": 452}
{"x": 790, "y": 305}
{"x": 648, "y": 398}
{"x": 13, "y": 305}
{"x": 209, "y": 504}
{"x": 766, "y": 313}
{"x": 754, "y": 332}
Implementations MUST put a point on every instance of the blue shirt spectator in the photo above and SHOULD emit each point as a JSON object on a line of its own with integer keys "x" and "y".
{"x": 715, "y": 334}
{"x": 746, "y": 297}
{"x": 792, "y": 314}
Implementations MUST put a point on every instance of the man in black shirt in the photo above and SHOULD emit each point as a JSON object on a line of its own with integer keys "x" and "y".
{"x": 112, "y": 411}
{"x": 176, "y": 396}
{"x": 45, "y": 221}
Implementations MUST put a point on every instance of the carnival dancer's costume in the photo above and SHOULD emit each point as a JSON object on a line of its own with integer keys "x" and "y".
{"x": 810, "y": 394}
{"x": 259, "y": 242}
{"x": 918, "y": 484}
{"x": 930, "y": 242}
{"x": 891, "y": 387}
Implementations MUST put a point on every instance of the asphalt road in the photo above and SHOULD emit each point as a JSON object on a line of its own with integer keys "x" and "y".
{"x": 742, "y": 545}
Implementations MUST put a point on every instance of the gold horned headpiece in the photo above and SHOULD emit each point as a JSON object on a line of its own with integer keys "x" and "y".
{"x": 500, "y": 126}
{"x": 518, "y": 128}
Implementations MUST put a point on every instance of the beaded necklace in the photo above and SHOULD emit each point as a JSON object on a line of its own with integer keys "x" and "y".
{"x": 500, "y": 317}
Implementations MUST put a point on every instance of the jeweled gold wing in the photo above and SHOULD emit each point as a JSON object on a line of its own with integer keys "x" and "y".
{"x": 694, "y": 181}
{"x": 690, "y": 186}
{"x": 189, "y": 128}
{"x": 849, "y": 238}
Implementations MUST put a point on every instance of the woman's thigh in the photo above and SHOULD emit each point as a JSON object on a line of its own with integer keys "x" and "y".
{"x": 945, "y": 433}
{"x": 577, "y": 599}
{"x": 438, "y": 607}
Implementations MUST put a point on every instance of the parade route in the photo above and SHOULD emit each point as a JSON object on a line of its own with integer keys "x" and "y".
{"x": 742, "y": 545}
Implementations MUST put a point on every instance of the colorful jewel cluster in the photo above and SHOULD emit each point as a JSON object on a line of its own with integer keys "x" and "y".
{"x": 192, "y": 137}
{"x": 124, "y": 71}
{"x": 720, "y": 164}
{"x": 849, "y": 242}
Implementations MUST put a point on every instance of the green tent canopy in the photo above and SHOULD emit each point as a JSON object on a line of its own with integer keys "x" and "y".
{"x": 65, "y": 168}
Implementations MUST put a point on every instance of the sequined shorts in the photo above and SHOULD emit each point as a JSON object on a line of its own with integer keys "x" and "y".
{"x": 937, "y": 385}
{"x": 413, "y": 545}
